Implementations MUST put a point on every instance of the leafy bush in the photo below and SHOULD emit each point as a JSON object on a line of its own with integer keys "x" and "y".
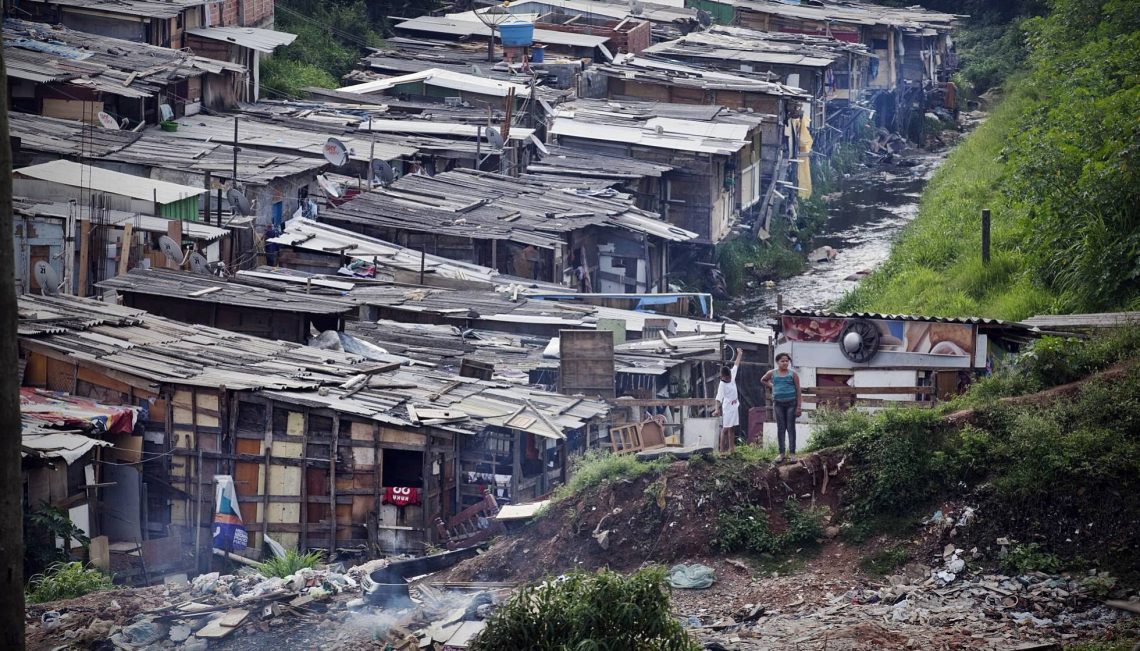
{"x": 895, "y": 461}
{"x": 597, "y": 466}
{"x": 1023, "y": 559}
{"x": 834, "y": 427}
{"x": 42, "y": 526}
{"x": 748, "y": 529}
{"x": 283, "y": 566}
{"x": 744, "y": 257}
{"x": 66, "y": 581}
{"x": 588, "y": 611}
{"x": 745, "y": 529}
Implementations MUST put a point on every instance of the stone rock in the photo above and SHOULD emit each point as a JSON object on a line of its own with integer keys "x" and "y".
{"x": 831, "y": 532}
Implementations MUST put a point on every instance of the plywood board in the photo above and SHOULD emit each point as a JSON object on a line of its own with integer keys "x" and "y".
{"x": 288, "y": 449}
{"x": 361, "y": 431}
{"x": 70, "y": 109}
{"x": 295, "y": 424}
{"x": 401, "y": 437}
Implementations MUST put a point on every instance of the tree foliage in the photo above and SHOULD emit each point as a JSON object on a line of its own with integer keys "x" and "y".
{"x": 332, "y": 36}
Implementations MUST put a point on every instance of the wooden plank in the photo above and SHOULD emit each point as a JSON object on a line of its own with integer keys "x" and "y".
{"x": 851, "y": 391}
{"x": 125, "y": 251}
{"x": 332, "y": 481}
{"x": 84, "y": 255}
{"x": 234, "y": 617}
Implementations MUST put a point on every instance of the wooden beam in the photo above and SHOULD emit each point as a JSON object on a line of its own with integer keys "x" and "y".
{"x": 125, "y": 251}
{"x": 84, "y": 255}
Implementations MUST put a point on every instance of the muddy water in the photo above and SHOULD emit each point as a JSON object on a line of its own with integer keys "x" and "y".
{"x": 863, "y": 221}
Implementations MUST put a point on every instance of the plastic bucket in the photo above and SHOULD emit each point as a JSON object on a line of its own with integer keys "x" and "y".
{"x": 516, "y": 34}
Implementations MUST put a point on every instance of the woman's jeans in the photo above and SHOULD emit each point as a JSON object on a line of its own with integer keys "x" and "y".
{"x": 785, "y": 422}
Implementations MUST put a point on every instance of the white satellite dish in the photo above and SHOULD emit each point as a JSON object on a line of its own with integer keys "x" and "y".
{"x": 172, "y": 251}
{"x": 199, "y": 264}
{"x": 107, "y": 121}
{"x": 47, "y": 279}
{"x": 494, "y": 138}
{"x": 328, "y": 186}
{"x": 239, "y": 203}
{"x": 382, "y": 171}
{"x": 335, "y": 152}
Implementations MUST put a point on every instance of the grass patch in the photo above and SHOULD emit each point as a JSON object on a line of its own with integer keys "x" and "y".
{"x": 66, "y": 581}
{"x": 935, "y": 267}
{"x": 754, "y": 454}
{"x": 885, "y": 561}
{"x": 743, "y": 259}
{"x": 290, "y": 563}
{"x": 597, "y": 466}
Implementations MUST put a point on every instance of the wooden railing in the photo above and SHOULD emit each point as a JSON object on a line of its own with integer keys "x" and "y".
{"x": 465, "y": 528}
{"x": 844, "y": 397}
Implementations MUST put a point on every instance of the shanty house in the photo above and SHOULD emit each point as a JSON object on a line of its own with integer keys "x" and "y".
{"x": 63, "y": 73}
{"x": 718, "y": 156}
{"x": 910, "y": 47}
{"x": 58, "y": 232}
{"x": 317, "y": 441}
{"x": 876, "y": 359}
{"x": 163, "y": 23}
{"x": 520, "y": 227}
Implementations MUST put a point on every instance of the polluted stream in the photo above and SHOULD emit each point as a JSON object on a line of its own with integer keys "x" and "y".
{"x": 869, "y": 210}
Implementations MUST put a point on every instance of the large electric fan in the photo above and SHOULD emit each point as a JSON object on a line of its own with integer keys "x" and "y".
{"x": 859, "y": 340}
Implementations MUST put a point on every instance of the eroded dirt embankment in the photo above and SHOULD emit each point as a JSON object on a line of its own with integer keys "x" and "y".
{"x": 654, "y": 519}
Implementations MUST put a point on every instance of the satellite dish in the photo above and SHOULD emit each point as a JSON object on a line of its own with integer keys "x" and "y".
{"x": 383, "y": 171}
{"x": 636, "y": 8}
{"x": 47, "y": 278}
{"x": 199, "y": 264}
{"x": 328, "y": 186}
{"x": 238, "y": 202}
{"x": 494, "y": 138}
{"x": 859, "y": 340}
{"x": 172, "y": 251}
{"x": 704, "y": 18}
{"x": 107, "y": 121}
{"x": 335, "y": 152}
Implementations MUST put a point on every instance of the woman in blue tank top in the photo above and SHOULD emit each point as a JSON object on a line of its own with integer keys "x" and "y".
{"x": 786, "y": 402}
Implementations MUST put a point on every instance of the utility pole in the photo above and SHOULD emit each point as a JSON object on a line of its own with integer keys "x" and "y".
{"x": 11, "y": 493}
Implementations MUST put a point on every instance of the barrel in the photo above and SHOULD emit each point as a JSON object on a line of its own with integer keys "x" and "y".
{"x": 537, "y": 54}
{"x": 518, "y": 34}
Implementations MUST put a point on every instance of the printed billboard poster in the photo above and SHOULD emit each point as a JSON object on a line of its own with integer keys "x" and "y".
{"x": 810, "y": 328}
{"x": 229, "y": 531}
{"x": 953, "y": 339}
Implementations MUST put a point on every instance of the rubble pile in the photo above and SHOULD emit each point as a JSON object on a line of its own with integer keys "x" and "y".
{"x": 983, "y": 612}
{"x": 329, "y": 608}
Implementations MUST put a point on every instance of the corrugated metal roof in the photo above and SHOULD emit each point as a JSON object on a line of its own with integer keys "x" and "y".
{"x": 1098, "y": 320}
{"x": 71, "y": 174}
{"x": 262, "y": 40}
{"x": 442, "y": 79}
{"x": 645, "y": 136}
{"x": 457, "y": 26}
{"x": 907, "y": 317}
{"x": 164, "y": 9}
{"x": 186, "y": 286}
